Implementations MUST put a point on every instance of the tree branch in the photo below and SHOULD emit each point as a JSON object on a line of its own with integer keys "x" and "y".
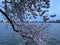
{"x": 8, "y": 19}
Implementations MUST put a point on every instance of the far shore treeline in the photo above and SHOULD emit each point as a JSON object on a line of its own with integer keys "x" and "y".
{"x": 52, "y": 21}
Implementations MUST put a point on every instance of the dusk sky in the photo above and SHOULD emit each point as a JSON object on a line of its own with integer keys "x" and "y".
{"x": 54, "y": 9}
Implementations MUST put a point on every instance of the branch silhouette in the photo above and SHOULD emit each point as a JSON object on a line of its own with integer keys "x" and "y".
{"x": 23, "y": 35}
{"x": 8, "y": 19}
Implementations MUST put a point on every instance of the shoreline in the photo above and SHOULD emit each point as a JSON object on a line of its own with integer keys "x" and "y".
{"x": 33, "y": 22}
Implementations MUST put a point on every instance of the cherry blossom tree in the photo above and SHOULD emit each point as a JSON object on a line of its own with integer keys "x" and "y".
{"x": 17, "y": 11}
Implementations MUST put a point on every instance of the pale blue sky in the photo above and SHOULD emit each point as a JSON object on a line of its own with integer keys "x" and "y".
{"x": 54, "y": 9}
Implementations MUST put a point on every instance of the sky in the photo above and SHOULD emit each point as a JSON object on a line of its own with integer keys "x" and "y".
{"x": 54, "y": 9}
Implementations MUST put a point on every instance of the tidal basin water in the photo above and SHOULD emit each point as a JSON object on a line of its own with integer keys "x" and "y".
{"x": 9, "y": 37}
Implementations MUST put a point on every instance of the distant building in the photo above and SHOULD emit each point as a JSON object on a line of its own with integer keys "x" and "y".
{"x": 58, "y": 21}
{"x": 4, "y": 20}
{"x": 55, "y": 21}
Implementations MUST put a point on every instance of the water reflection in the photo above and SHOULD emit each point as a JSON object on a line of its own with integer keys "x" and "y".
{"x": 9, "y": 37}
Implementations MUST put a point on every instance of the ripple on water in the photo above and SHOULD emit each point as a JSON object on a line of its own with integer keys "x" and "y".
{"x": 8, "y": 36}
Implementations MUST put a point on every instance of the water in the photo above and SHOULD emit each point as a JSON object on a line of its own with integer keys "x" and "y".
{"x": 9, "y": 37}
{"x": 54, "y": 38}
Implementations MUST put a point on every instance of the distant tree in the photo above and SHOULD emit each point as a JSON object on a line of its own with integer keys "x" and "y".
{"x": 17, "y": 11}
